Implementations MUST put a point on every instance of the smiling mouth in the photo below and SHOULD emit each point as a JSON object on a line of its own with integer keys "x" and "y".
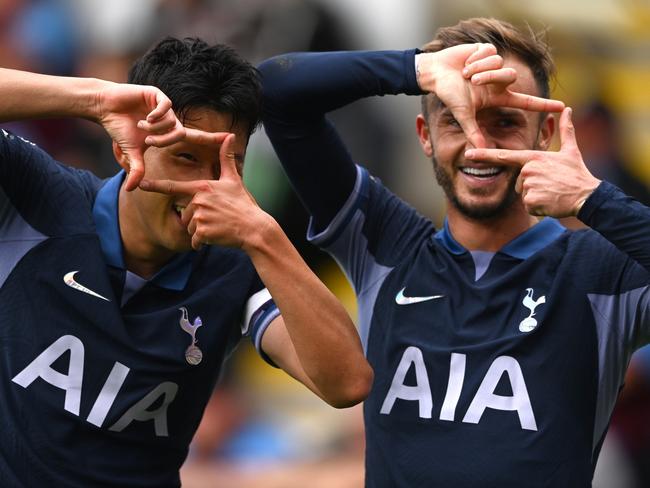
{"x": 481, "y": 172}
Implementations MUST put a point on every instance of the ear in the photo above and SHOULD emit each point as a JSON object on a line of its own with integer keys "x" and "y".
{"x": 546, "y": 131}
{"x": 120, "y": 157}
{"x": 422, "y": 128}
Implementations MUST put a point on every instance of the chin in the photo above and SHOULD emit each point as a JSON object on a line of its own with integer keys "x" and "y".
{"x": 179, "y": 245}
{"x": 484, "y": 210}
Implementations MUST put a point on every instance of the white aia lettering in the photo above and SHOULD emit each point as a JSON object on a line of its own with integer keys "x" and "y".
{"x": 484, "y": 398}
{"x": 71, "y": 383}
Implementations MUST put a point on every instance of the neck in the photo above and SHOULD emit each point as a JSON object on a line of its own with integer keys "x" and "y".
{"x": 140, "y": 255}
{"x": 489, "y": 234}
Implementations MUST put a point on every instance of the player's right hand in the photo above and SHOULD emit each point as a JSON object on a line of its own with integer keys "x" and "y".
{"x": 551, "y": 183}
{"x": 470, "y": 77}
{"x": 221, "y": 211}
{"x": 136, "y": 117}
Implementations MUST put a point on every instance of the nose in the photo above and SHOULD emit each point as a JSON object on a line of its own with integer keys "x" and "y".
{"x": 490, "y": 142}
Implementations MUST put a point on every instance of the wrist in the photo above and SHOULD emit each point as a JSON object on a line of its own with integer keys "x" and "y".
{"x": 584, "y": 196}
{"x": 424, "y": 71}
{"x": 260, "y": 234}
{"x": 97, "y": 99}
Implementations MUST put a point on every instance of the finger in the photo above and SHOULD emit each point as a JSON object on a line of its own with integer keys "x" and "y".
{"x": 228, "y": 159}
{"x": 519, "y": 184}
{"x": 167, "y": 139}
{"x": 191, "y": 225}
{"x": 467, "y": 120}
{"x": 136, "y": 172}
{"x": 483, "y": 50}
{"x": 503, "y": 156}
{"x": 503, "y": 76}
{"x": 196, "y": 243}
{"x": 172, "y": 187}
{"x": 567, "y": 131}
{"x": 494, "y": 62}
{"x": 163, "y": 105}
{"x": 196, "y": 136}
{"x": 532, "y": 103}
{"x": 160, "y": 127}
{"x": 187, "y": 216}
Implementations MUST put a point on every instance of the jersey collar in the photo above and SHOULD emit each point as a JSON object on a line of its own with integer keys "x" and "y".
{"x": 521, "y": 247}
{"x": 173, "y": 276}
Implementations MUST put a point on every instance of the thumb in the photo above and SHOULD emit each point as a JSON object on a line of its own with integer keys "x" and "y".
{"x": 471, "y": 129}
{"x": 136, "y": 169}
{"x": 567, "y": 131}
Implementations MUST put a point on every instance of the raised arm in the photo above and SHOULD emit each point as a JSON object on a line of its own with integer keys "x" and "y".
{"x": 300, "y": 88}
{"x": 314, "y": 340}
{"x": 129, "y": 113}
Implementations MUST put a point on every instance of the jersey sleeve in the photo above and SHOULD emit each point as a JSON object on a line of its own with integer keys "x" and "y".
{"x": 259, "y": 312}
{"x": 612, "y": 268}
{"x": 372, "y": 233}
{"x": 623, "y": 290}
{"x": 43, "y": 191}
{"x": 39, "y": 198}
{"x": 299, "y": 89}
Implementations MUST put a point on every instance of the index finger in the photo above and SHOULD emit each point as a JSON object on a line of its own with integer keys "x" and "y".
{"x": 533, "y": 103}
{"x": 197, "y": 136}
{"x": 502, "y": 156}
{"x": 171, "y": 187}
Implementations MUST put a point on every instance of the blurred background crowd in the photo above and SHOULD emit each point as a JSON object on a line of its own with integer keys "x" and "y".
{"x": 261, "y": 428}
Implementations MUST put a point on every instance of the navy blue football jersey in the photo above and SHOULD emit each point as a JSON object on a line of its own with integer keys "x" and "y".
{"x": 491, "y": 369}
{"x": 104, "y": 375}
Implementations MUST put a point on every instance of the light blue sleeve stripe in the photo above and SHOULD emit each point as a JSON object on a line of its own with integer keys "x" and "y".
{"x": 622, "y": 326}
{"x": 344, "y": 240}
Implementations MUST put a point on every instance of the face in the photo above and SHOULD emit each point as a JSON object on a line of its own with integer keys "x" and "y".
{"x": 477, "y": 190}
{"x": 151, "y": 222}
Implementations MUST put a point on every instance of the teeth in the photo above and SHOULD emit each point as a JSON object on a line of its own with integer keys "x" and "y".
{"x": 179, "y": 209}
{"x": 481, "y": 171}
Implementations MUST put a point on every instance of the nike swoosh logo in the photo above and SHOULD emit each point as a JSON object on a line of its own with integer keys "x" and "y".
{"x": 69, "y": 280}
{"x": 400, "y": 299}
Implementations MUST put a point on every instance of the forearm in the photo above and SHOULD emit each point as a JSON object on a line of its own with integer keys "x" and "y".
{"x": 621, "y": 220}
{"x": 325, "y": 341}
{"x": 309, "y": 84}
{"x": 299, "y": 89}
{"x": 25, "y": 95}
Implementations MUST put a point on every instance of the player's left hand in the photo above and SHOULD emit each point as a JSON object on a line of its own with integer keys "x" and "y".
{"x": 555, "y": 184}
{"x": 221, "y": 211}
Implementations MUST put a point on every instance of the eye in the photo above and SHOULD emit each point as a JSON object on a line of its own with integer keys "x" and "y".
{"x": 187, "y": 156}
{"x": 450, "y": 121}
{"x": 506, "y": 123}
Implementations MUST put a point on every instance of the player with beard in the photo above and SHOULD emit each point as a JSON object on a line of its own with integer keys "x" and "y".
{"x": 499, "y": 342}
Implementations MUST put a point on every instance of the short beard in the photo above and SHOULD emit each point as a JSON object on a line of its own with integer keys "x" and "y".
{"x": 482, "y": 212}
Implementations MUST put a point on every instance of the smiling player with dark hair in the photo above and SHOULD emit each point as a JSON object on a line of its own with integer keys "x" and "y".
{"x": 119, "y": 303}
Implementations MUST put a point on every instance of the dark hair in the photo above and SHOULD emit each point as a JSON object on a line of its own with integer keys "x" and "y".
{"x": 529, "y": 46}
{"x": 194, "y": 74}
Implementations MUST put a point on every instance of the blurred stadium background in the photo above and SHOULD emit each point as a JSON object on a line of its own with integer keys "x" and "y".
{"x": 262, "y": 429}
